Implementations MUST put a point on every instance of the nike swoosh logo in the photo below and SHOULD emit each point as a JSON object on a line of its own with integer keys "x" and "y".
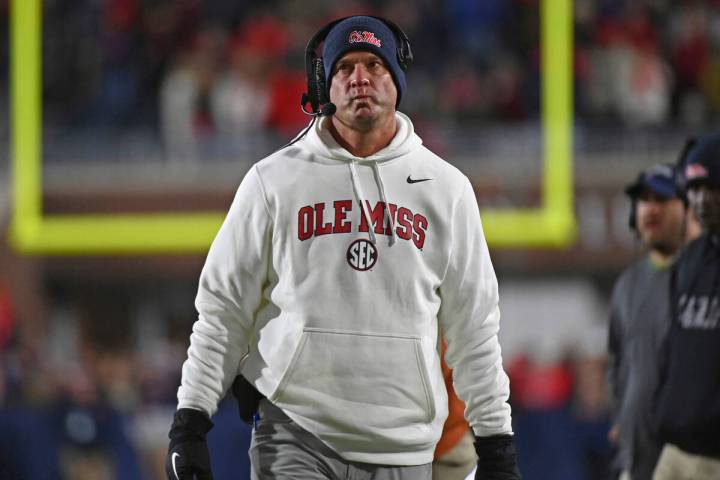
{"x": 174, "y": 456}
{"x": 417, "y": 180}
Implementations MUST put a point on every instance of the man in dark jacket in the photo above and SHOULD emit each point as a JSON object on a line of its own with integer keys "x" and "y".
{"x": 687, "y": 411}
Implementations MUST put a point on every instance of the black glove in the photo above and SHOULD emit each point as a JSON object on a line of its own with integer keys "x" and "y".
{"x": 248, "y": 398}
{"x": 496, "y": 458}
{"x": 188, "y": 457}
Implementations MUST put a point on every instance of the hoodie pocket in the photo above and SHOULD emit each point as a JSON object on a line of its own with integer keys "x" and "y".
{"x": 350, "y": 377}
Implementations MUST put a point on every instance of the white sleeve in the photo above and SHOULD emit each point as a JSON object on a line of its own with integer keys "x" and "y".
{"x": 470, "y": 319}
{"x": 229, "y": 294}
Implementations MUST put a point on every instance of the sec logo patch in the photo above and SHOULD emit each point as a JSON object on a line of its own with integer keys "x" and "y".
{"x": 362, "y": 255}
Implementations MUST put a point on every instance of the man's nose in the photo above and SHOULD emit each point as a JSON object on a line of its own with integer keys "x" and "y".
{"x": 655, "y": 206}
{"x": 359, "y": 77}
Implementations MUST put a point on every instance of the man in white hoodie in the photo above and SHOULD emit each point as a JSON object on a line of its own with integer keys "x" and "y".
{"x": 325, "y": 291}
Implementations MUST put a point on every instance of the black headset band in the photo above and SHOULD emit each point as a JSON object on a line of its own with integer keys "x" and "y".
{"x": 315, "y": 41}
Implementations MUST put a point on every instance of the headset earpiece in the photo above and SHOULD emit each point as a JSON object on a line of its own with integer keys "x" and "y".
{"x": 320, "y": 88}
{"x": 315, "y": 72}
{"x": 632, "y": 220}
{"x": 404, "y": 52}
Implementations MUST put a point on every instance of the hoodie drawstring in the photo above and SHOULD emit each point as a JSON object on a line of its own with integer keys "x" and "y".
{"x": 381, "y": 187}
{"x": 360, "y": 197}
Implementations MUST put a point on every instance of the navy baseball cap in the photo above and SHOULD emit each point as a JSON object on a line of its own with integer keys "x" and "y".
{"x": 659, "y": 179}
{"x": 702, "y": 164}
{"x": 363, "y": 33}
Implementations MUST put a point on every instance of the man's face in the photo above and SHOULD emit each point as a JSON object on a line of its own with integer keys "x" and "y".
{"x": 362, "y": 89}
{"x": 660, "y": 221}
{"x": 705, "y": 203}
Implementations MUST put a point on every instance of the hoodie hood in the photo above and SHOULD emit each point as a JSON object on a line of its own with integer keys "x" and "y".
{"x": 320, "y": 142}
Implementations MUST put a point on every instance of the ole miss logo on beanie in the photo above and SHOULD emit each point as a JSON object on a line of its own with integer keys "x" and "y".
{"x": 695, "y": 171}
{"x": 364, "y": 37}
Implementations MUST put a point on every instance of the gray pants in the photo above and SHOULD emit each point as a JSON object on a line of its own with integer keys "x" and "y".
{"x": 281, "y": 450}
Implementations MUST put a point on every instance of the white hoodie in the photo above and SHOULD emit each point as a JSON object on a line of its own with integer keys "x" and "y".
{"x": 337, "y": 323}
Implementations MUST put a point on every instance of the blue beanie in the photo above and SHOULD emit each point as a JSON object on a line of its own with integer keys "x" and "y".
{"x": 363, "y": 33}
{"x": 703, "y": 162}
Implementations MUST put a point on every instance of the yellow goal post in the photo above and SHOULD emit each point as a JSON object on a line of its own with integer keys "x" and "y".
{"x": 550, "y": 225}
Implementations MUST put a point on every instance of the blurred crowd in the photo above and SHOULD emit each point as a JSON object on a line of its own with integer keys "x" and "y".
{"x": 92, "y": 391}
{"x": 217, "y": 78}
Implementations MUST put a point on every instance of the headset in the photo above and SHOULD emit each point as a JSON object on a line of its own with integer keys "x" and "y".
{"x": 317, "y": 92}
{"x": 632, "y": 219}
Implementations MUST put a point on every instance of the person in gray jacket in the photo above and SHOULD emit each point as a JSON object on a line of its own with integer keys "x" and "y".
{"x": 639, "y": 316}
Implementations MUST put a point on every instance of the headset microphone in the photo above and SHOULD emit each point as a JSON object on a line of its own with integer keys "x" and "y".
{"x": 328, "y": 109}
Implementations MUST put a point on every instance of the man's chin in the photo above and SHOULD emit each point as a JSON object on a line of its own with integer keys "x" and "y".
{"x": 664, "y": 247}
{"x": 363, "y": 110}
{"x": 364, "y": 116}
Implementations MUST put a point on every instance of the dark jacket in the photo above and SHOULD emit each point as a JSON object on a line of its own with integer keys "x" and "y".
{"x": 688, "y": 400}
